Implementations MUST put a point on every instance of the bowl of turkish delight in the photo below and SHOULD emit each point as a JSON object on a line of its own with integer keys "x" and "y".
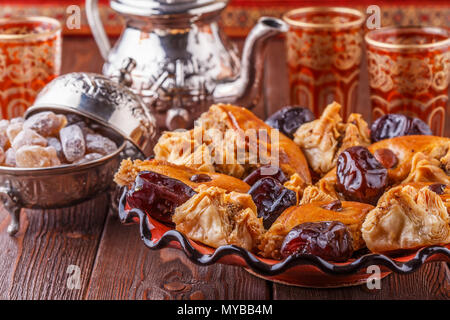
{"x": 54, "y": 160}
{"x": 68, "y": 145}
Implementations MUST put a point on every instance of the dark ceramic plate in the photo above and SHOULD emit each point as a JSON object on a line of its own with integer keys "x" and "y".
{"x": 302, "y": 270}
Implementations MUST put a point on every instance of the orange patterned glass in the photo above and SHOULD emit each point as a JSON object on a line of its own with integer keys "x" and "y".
{"x": 324, "y": 48}
{"x": 30, "y": 57}
{"x": 409, "y": 72}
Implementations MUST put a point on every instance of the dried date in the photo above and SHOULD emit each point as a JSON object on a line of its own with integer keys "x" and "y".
{"x": 360, "y": 177}
{"x": 437, "y": 188}
{"x": 330, "y": 240}
{"x": 271, "y": 199}
{"x": 289, "y": 119}
{"x": 158, "y": 195}
{"x": 266, "y": 171}
{"x": 396, "y": 125}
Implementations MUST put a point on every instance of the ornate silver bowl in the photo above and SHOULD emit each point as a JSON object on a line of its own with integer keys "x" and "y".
{"x": 55, "y": 187}
{"x": 123, "y": 118}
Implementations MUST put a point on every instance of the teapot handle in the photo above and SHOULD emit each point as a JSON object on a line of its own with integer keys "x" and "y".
{"x": 98, "y": 31}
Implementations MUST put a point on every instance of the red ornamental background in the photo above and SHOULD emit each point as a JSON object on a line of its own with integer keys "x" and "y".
{"x": 241, "y": 15}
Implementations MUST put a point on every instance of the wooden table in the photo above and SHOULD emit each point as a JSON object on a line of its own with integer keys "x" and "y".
{"x": 115, "y": 264}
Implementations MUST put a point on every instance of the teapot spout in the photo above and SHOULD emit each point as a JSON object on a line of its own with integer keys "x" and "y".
{"x": 246, "y": 88}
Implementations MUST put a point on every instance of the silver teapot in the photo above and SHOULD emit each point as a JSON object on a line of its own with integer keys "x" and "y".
{"x": 176, "y": 57}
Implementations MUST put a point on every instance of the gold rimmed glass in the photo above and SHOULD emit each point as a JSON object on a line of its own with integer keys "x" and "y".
{"x": 30, "y": 57}
{"x": 324, "y": 48}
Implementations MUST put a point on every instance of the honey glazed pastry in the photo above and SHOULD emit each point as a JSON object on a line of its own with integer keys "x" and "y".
{"x": 219, "y": 138}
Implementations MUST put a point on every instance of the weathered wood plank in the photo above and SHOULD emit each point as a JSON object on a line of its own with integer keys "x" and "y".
{"x": 126, "y": 269}
{"x": 34, "y": 264}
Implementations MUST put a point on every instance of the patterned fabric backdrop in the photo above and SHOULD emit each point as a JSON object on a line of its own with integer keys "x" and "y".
{"x": 241, "y": 15}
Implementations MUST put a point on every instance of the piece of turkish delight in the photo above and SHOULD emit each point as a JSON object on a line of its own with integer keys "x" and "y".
{"x": 28, "y": 137}
{"x": 99, "y": 144}
{"x": 89, "y": 157}
{"x": 73, "y": 118}
{"x": 46, "y": 123}
{"x": 2, "y": 156}
{"x": 3, "y": 136}
{"x": 10, "y": 157}
{"x": 36, "y": 157}
{"x": 17, "y": 120}
{"x": 55, "y": 143}
{"x": 13, "y": 130}
{"x": 4, "y": 125}
{"x": 72, "y": 141}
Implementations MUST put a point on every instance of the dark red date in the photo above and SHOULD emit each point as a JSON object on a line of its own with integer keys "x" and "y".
{"x": 271, "y": 199}
{"x": 330, "y": 240}
{"x": 386, "y": 157}
{"x": 200, "y": 177}
{"x": 288, "y": 119}
{"x": 335, "y": 205}
{"x": 437, "y": 188}
{"x": 158, "y": 195}
{"x": 266, "y": 171}
{"x": 360, "y": 177}
{"x": 396, "y": 125}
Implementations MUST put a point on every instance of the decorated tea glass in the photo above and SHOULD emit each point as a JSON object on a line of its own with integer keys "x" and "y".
{"x": 324, "y": 48}
{"x": 409, "y": 72}
{"x": 30, "y": 57}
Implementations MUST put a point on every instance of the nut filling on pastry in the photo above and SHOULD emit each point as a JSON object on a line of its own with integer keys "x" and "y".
{"x": 407, "y": 217}
{"x": 322, "y": 140}
{"x": 296, "y": 184}
{"x": 184, "y": 148}
{"x": 217, "y": 218}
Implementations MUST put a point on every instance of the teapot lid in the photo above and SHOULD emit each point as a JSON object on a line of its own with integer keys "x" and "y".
{"x": 167, "y": 7}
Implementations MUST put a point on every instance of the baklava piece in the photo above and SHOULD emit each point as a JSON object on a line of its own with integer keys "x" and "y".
{"x": 407, "y": 217}
{"x": 323, "y": 139}
{"x": 216, "y": 218}
{"x": 419, "y": 158}
{"x": 181, "y": 148}
{"x": 237, "y": 141}
{"x": 426, "y": 169}
{"x": 351, "y": 214}
{"x": 129, "y": 170}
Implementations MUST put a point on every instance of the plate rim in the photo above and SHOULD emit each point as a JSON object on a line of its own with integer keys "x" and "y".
{"x": 254, "y": 262}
